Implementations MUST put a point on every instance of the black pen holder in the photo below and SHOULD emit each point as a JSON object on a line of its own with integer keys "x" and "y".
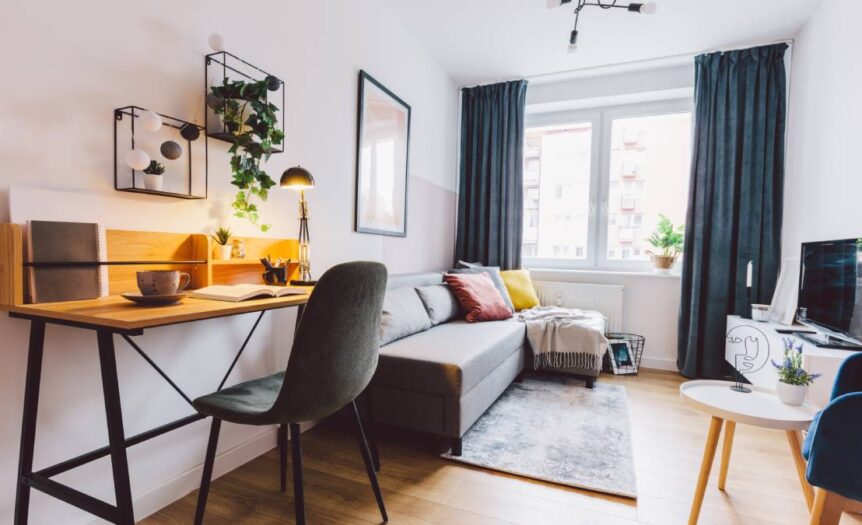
{"x": 275, "y": 276}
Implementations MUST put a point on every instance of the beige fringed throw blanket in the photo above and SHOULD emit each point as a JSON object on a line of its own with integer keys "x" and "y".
{"x": 565, "y": 337}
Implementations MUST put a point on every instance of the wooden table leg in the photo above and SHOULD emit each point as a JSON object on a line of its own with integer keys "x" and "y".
{"x": 729, "y": 430}
{"x": 705, "y": 467}
{"x": 827, "y": 508}
{"x": 796, "y": 452}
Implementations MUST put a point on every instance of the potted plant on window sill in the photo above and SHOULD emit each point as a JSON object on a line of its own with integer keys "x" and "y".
{"x": 153, "y": 176}
{"x": 667, "y": 238}
{"x": 793, "y": 380}
{"x": 223, "y": 247}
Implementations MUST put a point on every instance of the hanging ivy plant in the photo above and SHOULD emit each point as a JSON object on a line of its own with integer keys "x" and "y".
{"x": 253, "y": 122}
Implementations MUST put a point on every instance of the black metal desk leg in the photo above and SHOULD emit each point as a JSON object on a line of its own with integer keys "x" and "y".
{"x": 116, "y": 435}
{"x": 28, "y": 425}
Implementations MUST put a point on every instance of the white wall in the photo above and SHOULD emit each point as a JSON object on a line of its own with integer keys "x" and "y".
{"x": 822, "y": 181}
{"x": 67, "y": 66}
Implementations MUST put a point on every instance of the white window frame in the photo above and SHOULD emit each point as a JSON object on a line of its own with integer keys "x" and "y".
{"x": 601, "y": 119}
{"x": 594, "y": 118}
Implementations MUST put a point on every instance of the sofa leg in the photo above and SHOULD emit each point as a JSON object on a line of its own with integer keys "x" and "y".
{"x": 519, "y": 378}
{"x": 591, "y": 382}
{"x": 456, "y": 447}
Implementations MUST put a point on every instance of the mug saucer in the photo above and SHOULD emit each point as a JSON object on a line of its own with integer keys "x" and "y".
{"x": 139, "y": 298}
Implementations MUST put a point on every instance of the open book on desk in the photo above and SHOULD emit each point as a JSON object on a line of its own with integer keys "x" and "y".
{"x": 243, "y": 292}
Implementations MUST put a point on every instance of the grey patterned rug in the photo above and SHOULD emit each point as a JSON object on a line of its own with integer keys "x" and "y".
{"x": 553, "y": 429}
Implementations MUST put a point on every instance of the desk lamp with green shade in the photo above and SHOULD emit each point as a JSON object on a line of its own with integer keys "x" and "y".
{"x": 299, "y": 179}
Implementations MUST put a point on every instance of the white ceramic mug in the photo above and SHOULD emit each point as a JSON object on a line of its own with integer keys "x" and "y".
{"x": 162, "y": 282}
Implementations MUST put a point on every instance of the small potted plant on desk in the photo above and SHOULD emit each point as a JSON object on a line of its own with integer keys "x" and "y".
{"x": 153, "y": 176}
{"x": 667, "y": 238}
{"x": 222, "y": 239}
{"x": 793, "y": 380}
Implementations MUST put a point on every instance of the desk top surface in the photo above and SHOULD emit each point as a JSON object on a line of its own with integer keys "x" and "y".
{"x": 119, "y": 314}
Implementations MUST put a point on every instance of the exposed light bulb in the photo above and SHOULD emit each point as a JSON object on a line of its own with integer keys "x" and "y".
{"x": 649, "y": 8}
{"x": 151, "y": 121}
{"x": 216, "y": 42}
{"x": 137, "y": 159}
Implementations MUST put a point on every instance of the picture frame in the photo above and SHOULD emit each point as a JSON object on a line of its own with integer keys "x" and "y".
{"x": 382, "y": 160}
{"x": 622, "y": 358}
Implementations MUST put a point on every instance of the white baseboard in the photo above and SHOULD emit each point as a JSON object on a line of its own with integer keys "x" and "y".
{"x": 171, "y": 490}
{"x": 659, "y": 363}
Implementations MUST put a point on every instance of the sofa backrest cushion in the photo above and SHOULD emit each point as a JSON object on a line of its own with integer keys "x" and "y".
{"x": 494, "y": 273}
{"x": 439, "y": 301}
{"x": 521, "y": 290}
{"x": 413, "y": 280}
{"x": 403, "y": 315}
{"x": 478, "y": 296}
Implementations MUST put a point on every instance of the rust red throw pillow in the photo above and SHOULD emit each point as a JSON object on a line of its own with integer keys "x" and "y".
{"x": 478, "y": 296}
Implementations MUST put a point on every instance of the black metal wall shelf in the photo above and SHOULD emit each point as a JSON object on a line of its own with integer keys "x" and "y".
{"x": 223, "y": 65}
{"x": 128, "y": 179}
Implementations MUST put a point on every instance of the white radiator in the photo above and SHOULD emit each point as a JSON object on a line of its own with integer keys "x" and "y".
{"x": 604, "y": 298}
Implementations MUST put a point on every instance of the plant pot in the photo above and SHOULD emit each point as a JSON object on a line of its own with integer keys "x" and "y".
{"x": 222, "y": 252}
{"x": 153, "y": 182}
{"x": 237, "y": 125}
{"x": 662, "y": 263}
{"x": 791, "y": 394}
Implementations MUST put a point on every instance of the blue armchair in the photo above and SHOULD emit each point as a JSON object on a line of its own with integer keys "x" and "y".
{"x": 833, "y": 446}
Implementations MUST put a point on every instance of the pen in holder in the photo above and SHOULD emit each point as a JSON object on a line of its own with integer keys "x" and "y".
{"x": 274, "y": 275}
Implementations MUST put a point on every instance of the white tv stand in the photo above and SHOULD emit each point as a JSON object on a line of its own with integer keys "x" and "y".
{"x": 750, "y": 346}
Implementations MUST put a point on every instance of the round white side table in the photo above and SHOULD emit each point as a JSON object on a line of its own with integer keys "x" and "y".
{"x": 759, "y": 408}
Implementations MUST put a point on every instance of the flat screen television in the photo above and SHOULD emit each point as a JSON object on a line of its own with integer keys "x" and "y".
{"x": 830, "y": 288}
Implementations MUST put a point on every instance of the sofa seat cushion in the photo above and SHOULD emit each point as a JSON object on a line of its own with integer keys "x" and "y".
{"x": 450, "y": 358}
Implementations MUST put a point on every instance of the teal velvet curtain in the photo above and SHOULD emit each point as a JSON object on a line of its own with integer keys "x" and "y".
{"x": 735, "y": 199}
{"x": 490, "y": 198}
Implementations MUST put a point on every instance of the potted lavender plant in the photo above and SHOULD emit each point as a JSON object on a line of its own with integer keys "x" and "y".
{"x": 793, "y": 380}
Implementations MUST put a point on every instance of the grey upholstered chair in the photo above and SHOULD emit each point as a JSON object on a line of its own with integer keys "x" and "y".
{"x": 333, "y": 358}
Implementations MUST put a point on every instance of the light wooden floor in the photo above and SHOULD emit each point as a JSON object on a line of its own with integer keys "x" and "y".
{"x": 420, "y": 488}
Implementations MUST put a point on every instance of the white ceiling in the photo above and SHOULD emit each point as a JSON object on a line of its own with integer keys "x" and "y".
{"x": 487, "y": 40}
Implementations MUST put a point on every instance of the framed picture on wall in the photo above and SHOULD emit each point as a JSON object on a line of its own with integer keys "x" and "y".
{"x": 382, "y": 153}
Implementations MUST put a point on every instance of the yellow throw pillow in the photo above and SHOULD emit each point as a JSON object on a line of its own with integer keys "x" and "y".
{"x": 520, "y": 288}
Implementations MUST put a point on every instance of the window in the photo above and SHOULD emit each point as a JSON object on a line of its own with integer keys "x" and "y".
{"x": 595, "y": 183}
{"x": 559, "y": 192}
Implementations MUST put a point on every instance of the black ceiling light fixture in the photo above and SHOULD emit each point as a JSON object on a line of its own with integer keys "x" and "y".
{"x": 646, "y": 8}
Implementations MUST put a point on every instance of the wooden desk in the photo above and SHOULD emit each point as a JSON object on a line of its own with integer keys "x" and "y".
{"x": 108, "y": 316}
{"x": 125, "y": 317}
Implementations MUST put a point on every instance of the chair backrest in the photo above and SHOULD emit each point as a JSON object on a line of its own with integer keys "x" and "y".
{"x": 335, "y": 350}
{"x": 849, "y": 377}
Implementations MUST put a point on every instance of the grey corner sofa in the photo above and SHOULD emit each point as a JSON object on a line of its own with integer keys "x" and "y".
{"x": 442, "y": 379}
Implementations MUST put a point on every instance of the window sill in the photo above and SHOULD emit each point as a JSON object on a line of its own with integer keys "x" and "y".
{"x": 619, "y": 273}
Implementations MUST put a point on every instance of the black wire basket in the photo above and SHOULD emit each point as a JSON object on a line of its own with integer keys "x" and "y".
{"x": 624, "y": 354}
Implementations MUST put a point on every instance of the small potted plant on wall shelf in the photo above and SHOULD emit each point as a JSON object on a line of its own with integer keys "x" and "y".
{"x": 153, "y": 176}
{"x": 667, "y": 238}
{"x": 223, "y": 247}
{"x": 793, "y": 380}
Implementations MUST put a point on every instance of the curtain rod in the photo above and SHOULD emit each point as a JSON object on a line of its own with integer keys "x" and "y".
{"x": 677, "y": 59}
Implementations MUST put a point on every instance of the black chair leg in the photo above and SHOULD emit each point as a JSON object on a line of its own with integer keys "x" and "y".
{"x": 370, "y": 434}
{"x": 369, "y": 464}
{"x": 282, "y": 456}
{"x": 298, "y": 497}
{"x": 208, "y": 472}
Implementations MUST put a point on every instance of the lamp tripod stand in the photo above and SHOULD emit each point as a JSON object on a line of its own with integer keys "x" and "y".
{"x": 304, "y": 240}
